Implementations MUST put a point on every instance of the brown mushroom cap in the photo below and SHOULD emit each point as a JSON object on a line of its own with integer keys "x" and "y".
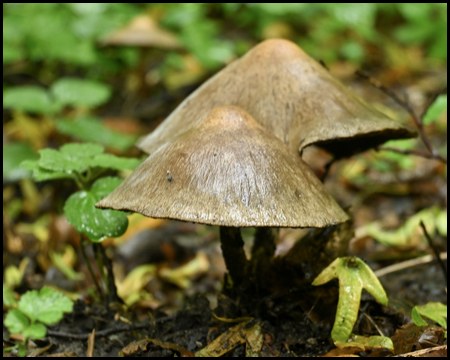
{"x": 142, "y": 31}
{"x": 227, "y": 171}
{"x": 292, "y": 96}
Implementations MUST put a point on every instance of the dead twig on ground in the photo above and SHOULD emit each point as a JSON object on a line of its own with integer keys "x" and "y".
{"x": 107, "y": 332}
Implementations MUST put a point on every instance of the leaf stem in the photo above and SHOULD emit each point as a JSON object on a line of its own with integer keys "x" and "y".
{"x": 100, "y": 263}
{"x": 88, "y": 264}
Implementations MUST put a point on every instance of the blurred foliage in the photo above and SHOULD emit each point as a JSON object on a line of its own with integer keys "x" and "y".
{"x": 214, "y": 33}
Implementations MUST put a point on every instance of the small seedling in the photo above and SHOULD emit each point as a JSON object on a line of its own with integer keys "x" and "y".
{"x": 354, "y": 275}
{"x": 34, "y": 309}
{"x": 84, "y": 163}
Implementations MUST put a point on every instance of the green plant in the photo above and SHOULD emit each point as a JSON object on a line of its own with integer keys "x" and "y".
{"x": 79, "y": 95}
{"x": 84, "y": 163}
{"x": 437, "y": 312}
{"x": 353, "y": 275}
{"x": 35, "y": 309}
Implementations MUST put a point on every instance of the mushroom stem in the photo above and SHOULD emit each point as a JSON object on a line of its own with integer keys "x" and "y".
{"x": 233, "y": 253}
{"x": 263, "y": 251}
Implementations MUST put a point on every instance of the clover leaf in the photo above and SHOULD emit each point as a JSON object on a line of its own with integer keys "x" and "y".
{"x": 95, "y": 223}
{"x": 47, "y": 306}
{"x": 89, "y": 128}
{"x": 113, "y": 162}
{"x": 354, "y": 275}
{"x": 74, "y": 159}
{"x": 79, "y": 92}
{"x": 32, "y": 99}
{"x": 16, "y": 321}
{"x": 13, "y": 155}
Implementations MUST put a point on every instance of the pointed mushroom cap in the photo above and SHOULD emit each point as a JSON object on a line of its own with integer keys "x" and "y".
{"x": 142, "y": 31}
{"x": 227, "y": 171}
{"x": 292, "y": 96}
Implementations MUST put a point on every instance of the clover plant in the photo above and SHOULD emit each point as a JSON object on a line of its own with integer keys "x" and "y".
{"x": 84, "y": 163}
{"x": 34, "y": 310}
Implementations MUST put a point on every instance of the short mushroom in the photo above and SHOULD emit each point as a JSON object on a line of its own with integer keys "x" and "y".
{"x": 231, "y": 172}
{"x": 292, "y": 96}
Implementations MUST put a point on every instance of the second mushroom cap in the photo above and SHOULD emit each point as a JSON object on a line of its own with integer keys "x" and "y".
{"x": 293, "y": 97}
{"x": 229, "y": 171}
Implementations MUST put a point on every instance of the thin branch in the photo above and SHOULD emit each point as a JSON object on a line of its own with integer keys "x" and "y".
{"x": 368, "y": 317}
{"x": 433, "y": 247}
{"x": 432, "y": 100}
{"x": 107, "y": 332}
{"x": 405, "y": 104}
{"x": 407, "y": 264}
{"x": 423, "y": 154}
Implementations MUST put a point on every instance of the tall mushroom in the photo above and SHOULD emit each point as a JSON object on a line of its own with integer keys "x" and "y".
{"x": 231, "y": 172}
{"x": 292, "y": 96}
{"x": 142, "y": 31}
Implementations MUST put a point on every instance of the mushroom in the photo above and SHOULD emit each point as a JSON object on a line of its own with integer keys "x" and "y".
{"x": 231, "y": 172}
{"x": 292, "y": 96}
{"x": 144, "y": 32}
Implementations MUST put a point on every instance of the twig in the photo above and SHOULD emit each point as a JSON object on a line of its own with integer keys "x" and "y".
{"x": 368, "y": 317}
{"x": 423, "y": 154}
{"x": 107, "y": 332}
{"x": 433, "y": 247}
{"x": 408, "y": 263}
{"x": 405, "y": 104}
{"x": 432, "y": 100}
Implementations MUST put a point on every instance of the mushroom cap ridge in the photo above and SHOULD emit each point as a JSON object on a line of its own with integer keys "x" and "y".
{"x": 277, "y": 80}
{"x": 227, "y": 171}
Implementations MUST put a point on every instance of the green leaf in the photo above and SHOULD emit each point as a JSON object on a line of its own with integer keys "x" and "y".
{"x": 47, "y": 305}
{"x": 28, "y": 98}
{"x": 35, "y": 331}
{"x": 114, "y": 162}
{"x": 40, "y": 174}
{"x": 8, "y": 297}
{"x": 79, "y": 92}
{"x": 71, "y": 157}
{"x": 13, "y": 155}
{"x": 89, "y": 128}
{"x": 367, "y": 343}
{"x": 436, "y": 109}
{"x": 434, "y": 311}
{"x": 97, "y": 224}
{"x": 16, "y": 321}
{"x": 417, "y": 318}
{"x": 354, "y": 275}
{"x": 403, "y": 235}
